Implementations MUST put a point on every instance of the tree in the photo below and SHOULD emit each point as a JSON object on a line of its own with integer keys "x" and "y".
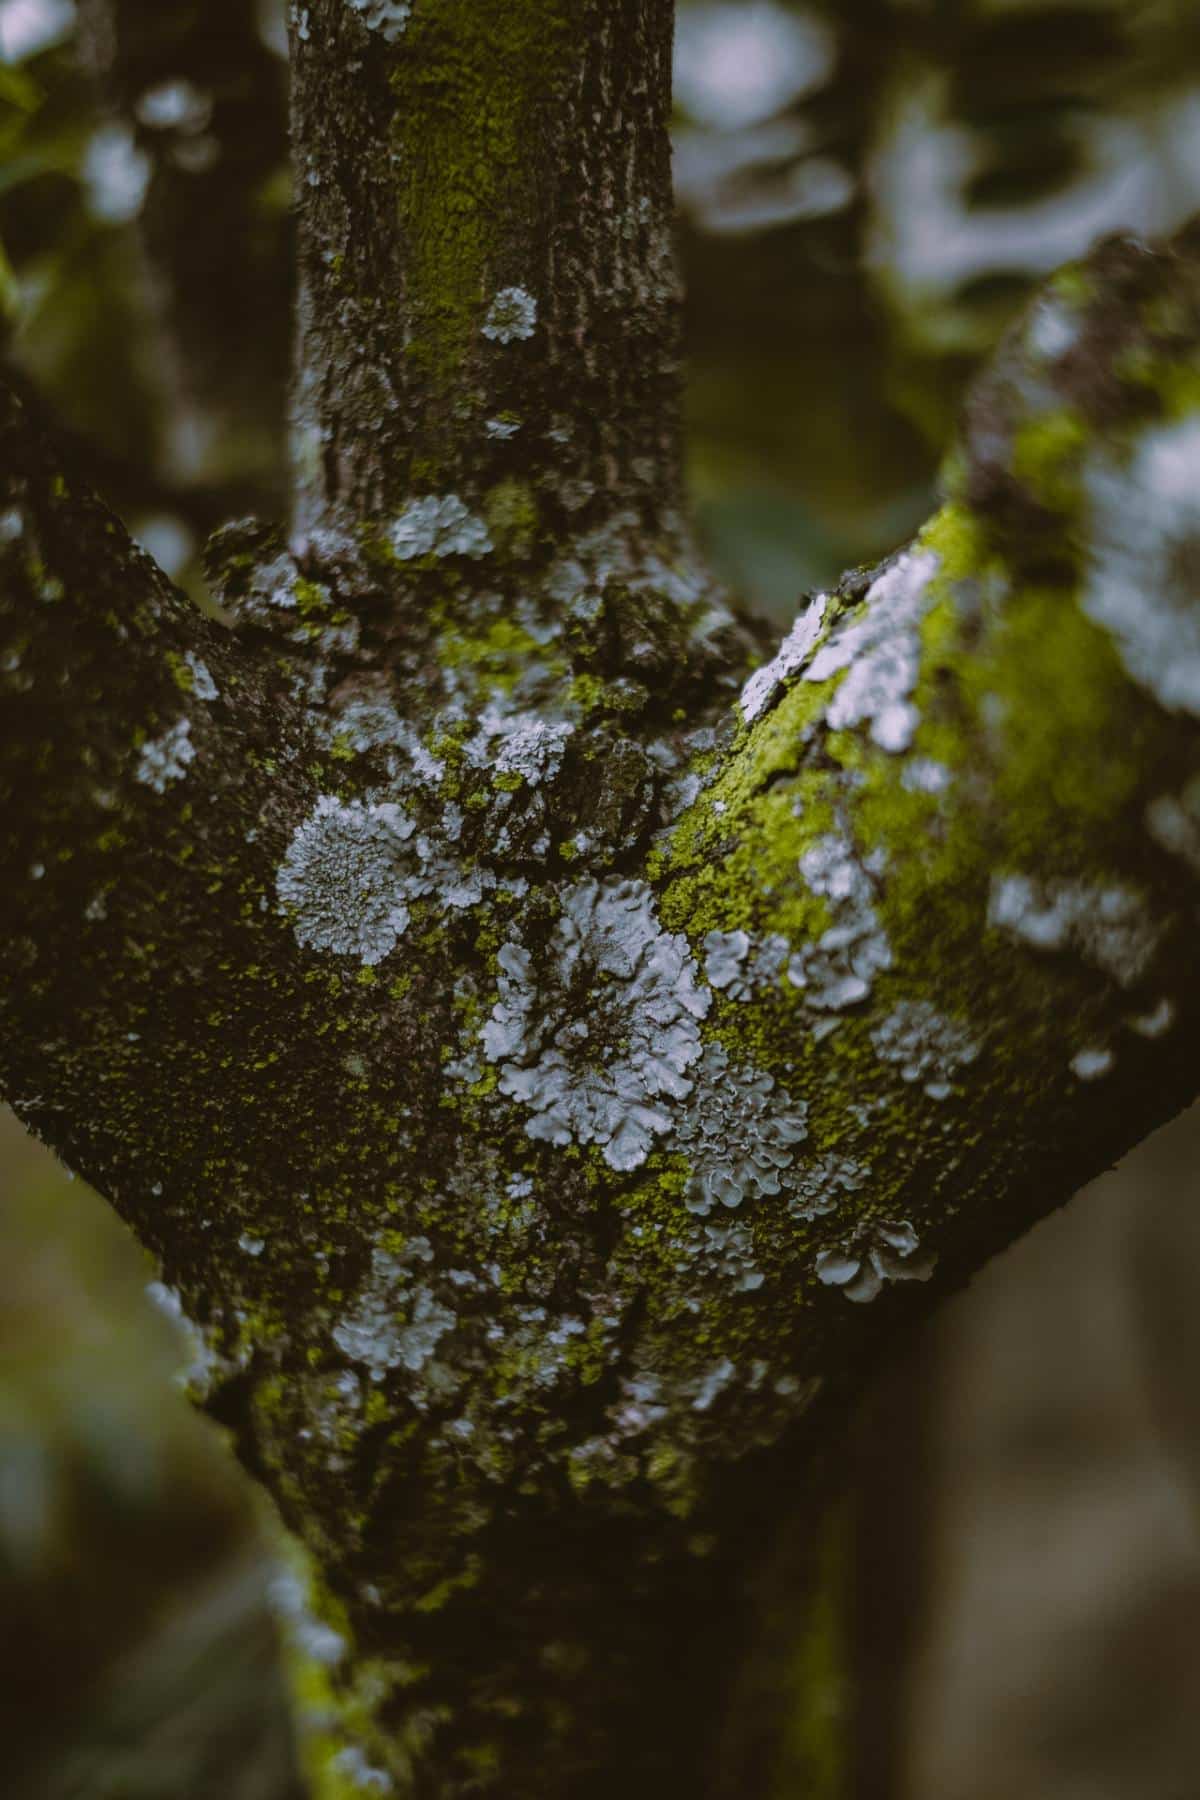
{"x": 551, "y": 1054}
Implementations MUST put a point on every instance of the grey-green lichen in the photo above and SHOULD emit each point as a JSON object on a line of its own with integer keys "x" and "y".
{"x": 764, "y": 684}
{"x": 840, "y": 967}
{"x": 397, "y": 1320}
{"x": 353, "y": 870}
{"x": 597, "y": 1035}
{"x": 511, "y": 316}
{"x": 1143, "y": 549}
{"x": 880, "y": 653}
{"x": 925, "y": 1046}
{"x": 388, "y": 17}
{"x": 738, "y": 1133}
{"x": 439, "y": 525}
{"x": 165, "y": 759}
{"x": 343, "y": 876}
{"x": 1112, "y": 924}
{"x": 880, "y": 1251}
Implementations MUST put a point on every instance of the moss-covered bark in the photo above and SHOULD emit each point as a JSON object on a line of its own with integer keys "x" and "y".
{"x": 548, "y": 1079}
{"x": 489, "y": 290}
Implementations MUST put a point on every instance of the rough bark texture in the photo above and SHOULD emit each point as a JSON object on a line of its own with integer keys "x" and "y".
{"x": 489, "y": 299}
{"x": 527, "y": 1058}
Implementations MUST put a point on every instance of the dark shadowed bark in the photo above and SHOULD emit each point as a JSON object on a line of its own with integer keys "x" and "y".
{"x": 548, "y": 1079}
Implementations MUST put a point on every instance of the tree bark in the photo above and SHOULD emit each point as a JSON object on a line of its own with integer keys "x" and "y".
{"x": 525, "y": 1056}
{"x": 489, "y": 295}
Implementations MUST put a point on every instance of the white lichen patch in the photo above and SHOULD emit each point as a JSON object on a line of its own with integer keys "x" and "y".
{"x": 725, "y": 1250}
{"x": 880, "y": 651}
{"x": 740, "y": 966}
{"x": 1157, "y": 1021}
{"x": 344, "y": 877}
{"x": 838, "y": 970}
{"x": 1142, "y": 573}
{"x": 272, "y": 590}
{"x": 738, "y": 1132}
{"x": 511, "y": 316}
{"x": 1094, "y": 1062}
{"x": 388, "y": 17}
{"x": 203, "y": 685}
{"x": 880, "y": 1251}
{"x": 1173, "y": 821}
{"x": 713, "y": 1383}
{"x": 597, "y": 1034}
{"x": 397, "y": 1321}
{"x": 922, "y": 775}
{"x": 725, "y": 954}
{"x": 351, "y": 1766}
{"x": 439, "y": 525}
{"x": 1053, "y": 328}
{"x": 1110, "y": 925}
{"x": 925, "y": 1046}
{"x": 165, "y": 759}
{"x": 523, "y": 745}
{"x": 822, "y": 1184}
{"x": 312, "y": 1637}
{"x": 765, "y": 683}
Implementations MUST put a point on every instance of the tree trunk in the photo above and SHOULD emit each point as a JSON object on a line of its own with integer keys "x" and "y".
{"x": 525, "y": 1056}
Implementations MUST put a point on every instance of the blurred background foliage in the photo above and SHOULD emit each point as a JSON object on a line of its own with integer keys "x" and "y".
{"x": 867, "y": 191}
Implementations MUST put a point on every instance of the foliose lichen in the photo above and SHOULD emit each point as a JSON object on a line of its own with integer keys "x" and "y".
{"x": 1173, "y": 821}
{"x": 165, "y": 759}
{"x": 724, "y": 1250}
{"x": 737, "y": 1131}
{"x": 1093, "y": 1062}
{"x": 765, "y": 683}
{"x": 925, "y": 1046}
{"x": 203, "y": 685}
{"x": 512, "y": 315}
{"x": 596, "y": 1033}
{"x": 439, "y": 525}
{"x": 838, "y": 970}
{"x": 1109, "y": 924}
{"x": 396, "y": 1322}
{"x": 344, "y": 877}
{"x": 1143, "y": 556}
{"x": 879, "y": 1251}
{"x": 389, "y": 17}
{"x": 880, "y": 651}
{"x": 739, "y": 966}
{"x": 821, "y": 1185}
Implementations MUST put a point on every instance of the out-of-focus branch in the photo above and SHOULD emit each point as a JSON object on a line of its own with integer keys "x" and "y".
{"x": 205, "y": 98}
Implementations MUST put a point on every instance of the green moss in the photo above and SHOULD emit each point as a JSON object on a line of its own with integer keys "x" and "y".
{"x": 470, "y": 80}
{"x": 511, "y": 511}
{"x": 1046, "y": 455}
{"x": 500, "y": 653}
